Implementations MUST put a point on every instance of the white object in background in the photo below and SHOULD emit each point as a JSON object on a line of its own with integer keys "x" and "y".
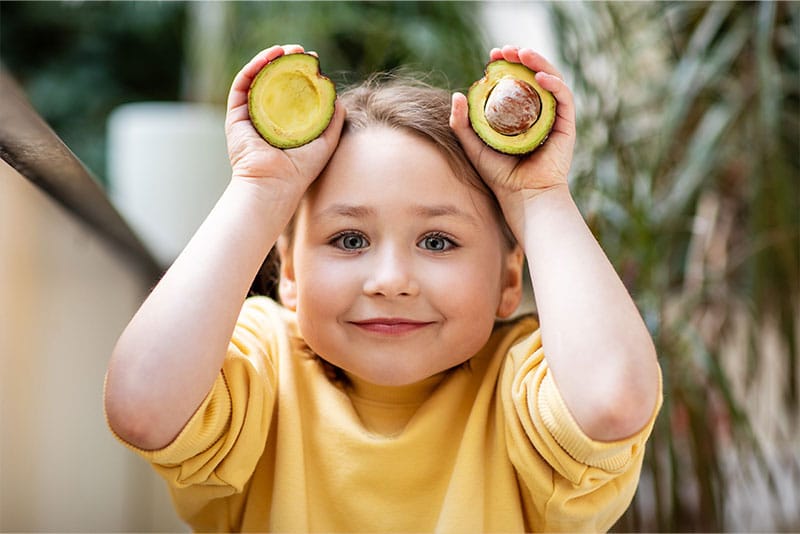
{"x": 167, "y": 165}
{"x": 524, "y": 24}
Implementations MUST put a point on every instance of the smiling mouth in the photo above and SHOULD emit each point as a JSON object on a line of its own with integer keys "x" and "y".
{"x": 390, "y": 326}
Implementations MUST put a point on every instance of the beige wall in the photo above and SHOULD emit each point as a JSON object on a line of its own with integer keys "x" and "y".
{"x": 64, "y": 299}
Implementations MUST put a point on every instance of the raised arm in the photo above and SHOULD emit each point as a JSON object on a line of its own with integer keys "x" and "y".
{"x": 597, "y": 346}
{"x": 168, "y": 357}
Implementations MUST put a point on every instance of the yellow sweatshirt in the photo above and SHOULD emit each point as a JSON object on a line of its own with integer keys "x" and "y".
{"x": 487, "y": 447}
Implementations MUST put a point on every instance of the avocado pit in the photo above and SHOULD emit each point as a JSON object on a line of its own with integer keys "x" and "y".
{"x": 509, "y": 110}
{"x": 513, "y": 106}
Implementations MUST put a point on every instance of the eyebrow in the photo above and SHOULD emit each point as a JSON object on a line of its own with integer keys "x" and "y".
{"x": 348, "y": 210}
{"x": 421, "y": 210}
{"x": 444, "y": 210}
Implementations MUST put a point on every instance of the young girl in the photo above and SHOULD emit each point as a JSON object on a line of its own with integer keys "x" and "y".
{"x": 382, "y": 393}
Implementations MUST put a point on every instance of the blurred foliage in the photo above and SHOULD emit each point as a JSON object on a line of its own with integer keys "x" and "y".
{"x": 355, "y": 39}
{"x": 687, "y": 166}
{"x": 79, "y": 60}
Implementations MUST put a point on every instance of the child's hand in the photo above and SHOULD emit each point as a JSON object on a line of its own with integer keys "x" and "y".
{"x": 514, "y": 179}
{"x": 251, "y": 157}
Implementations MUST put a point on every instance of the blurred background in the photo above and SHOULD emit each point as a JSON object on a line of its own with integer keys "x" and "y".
{"x": 687, "y": 168}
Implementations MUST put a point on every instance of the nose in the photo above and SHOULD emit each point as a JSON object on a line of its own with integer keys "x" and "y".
{"x": 391, "y": 274}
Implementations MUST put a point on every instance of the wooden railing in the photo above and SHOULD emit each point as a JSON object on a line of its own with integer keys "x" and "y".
{"x": 31, "y": 147}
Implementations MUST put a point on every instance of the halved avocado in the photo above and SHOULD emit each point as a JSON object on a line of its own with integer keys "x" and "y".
{"x": 509, "y": 110}
{"x": 290, "y": 101}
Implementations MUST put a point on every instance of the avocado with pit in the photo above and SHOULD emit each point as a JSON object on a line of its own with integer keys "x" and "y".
{"x": 290, "y": 101}
{"x": 509, "y": 110}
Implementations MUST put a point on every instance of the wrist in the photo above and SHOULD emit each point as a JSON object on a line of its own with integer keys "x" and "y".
{"x": 261, "y": 209}
{"x": 267, "y": 195}
{"x": 542, "y": 204}
{"x": 551, "y": 212}
{"x": 524, "y": 207}
{"x": 555, "y": 192}
{"x": 521, "y": 207}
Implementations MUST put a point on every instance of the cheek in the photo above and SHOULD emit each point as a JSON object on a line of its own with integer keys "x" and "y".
{"x": 322, "y": 286}
{"x": 468, "y": 298}
{"x": 470, "y": 289}
{"x": 318, "y": 303}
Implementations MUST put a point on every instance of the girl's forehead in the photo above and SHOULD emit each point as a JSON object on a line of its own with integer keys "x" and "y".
{"x": 381, "y": 164}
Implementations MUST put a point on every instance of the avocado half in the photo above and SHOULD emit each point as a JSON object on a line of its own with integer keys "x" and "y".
{"x": 509, "y": 110}
{"x": 290, "y": 101}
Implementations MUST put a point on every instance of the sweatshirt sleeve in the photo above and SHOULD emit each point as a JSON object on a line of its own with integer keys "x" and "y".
{"x": 575, "y": 483}
{"x": 218, "y": 449}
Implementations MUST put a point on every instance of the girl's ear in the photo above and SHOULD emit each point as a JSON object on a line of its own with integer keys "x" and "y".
{"x": 287, "y": 287}
{"x": 511, "y": 291}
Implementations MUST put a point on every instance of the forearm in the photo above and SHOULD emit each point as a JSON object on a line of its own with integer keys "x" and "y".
{"x": 168, "y": 357}
{"x": 596, "y": 344}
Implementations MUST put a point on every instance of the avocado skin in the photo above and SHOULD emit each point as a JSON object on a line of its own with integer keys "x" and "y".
{"x": 290, "y": 101}
{"x": 520, "y": 144}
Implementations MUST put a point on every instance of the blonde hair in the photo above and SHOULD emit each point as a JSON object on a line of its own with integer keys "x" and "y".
{"x": 411, "y": 105}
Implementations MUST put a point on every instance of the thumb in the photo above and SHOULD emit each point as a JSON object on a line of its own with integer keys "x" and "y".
{"x": 459, "y": 122}
{"x": 490, "y": 164}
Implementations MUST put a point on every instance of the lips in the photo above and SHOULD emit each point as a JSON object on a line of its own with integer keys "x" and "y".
{"x": 390, "y": 325}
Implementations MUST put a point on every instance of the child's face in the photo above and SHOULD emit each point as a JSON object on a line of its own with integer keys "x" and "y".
{"x": 397, "y": 269}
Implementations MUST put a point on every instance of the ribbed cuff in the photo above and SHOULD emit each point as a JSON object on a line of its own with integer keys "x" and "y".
{"x": 204, "y": 428}
{"x": 611, "y": 456}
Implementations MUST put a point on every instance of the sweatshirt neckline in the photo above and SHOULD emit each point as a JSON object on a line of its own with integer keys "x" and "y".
{"x": 410, "y": 394}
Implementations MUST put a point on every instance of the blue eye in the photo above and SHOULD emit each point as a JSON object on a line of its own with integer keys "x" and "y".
{"x": 350, "y": 241}
{"x": 436, "y": 243}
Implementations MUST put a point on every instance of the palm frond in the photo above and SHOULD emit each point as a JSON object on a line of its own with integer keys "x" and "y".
{"x": 687, "y": 167}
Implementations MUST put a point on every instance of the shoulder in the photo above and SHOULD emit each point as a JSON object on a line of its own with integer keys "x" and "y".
{"x": 506, "y": 335}
{"x": 260, "y": 308}
{"x": 265, "y": 334}
{"x": 495, "y": 359}
{"x": 511, "y": 331}
{"x": 262, "y": 320}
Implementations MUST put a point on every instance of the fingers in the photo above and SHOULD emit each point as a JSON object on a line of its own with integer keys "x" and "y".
{"x": 537, "y": 62}
{"x": 527, "y": 56}
{"x": 243, "y": 80}
{"x": 565, "y": 110}
{"x": 334, "y": 129}
{"x": 293, "y": 49}
{"x": 459, "y": 122}
{"x": 487, "y": 162}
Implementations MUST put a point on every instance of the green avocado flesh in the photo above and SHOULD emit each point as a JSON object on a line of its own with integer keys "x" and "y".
{"x": 519, "y": 117}
{"x": 290, "y": 101}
